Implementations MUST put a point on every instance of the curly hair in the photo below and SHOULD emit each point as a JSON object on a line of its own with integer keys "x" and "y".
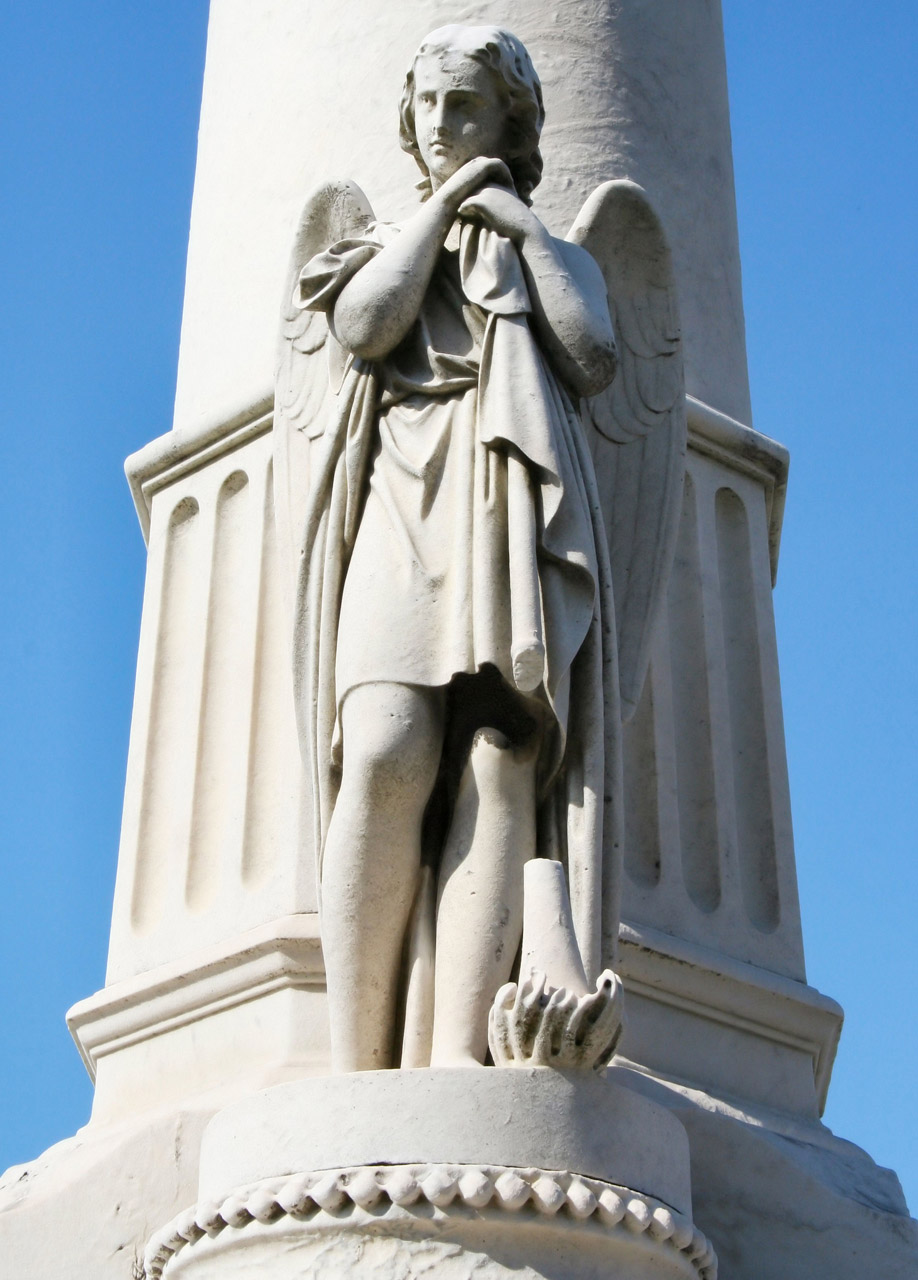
{"x": 504, "y": 54}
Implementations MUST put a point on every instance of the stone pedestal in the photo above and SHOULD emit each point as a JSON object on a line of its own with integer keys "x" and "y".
{"x": 497, "y": 1173}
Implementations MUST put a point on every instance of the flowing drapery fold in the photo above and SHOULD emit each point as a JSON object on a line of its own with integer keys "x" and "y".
{"x": 453, "y": 509}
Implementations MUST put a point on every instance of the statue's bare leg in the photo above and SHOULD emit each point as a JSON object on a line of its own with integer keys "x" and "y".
{"x": 392, "y": 738}
{"x": 480, "y": 903}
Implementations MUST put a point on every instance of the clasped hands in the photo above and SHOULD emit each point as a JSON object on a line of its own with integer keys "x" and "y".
{"x": 482, "y": 191}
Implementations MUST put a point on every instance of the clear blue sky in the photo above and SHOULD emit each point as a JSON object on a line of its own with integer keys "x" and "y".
{"x": 97, "y": 137}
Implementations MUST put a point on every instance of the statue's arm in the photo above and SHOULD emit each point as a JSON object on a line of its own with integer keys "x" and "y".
{"x": 380, "y": 303}
{"x": 570, "y": 312}
{"x": 570, "y": 309}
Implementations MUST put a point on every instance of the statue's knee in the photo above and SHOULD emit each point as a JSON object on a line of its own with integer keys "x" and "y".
{"x": 390, "y": 761}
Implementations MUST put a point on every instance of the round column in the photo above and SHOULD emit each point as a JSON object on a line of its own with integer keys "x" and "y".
{"x": 295, "y": 94}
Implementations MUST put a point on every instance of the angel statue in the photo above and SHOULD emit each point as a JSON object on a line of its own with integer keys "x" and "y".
{"x": 471, "y": 620}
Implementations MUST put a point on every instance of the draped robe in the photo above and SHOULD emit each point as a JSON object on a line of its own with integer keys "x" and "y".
{"x": 453, "y": 526}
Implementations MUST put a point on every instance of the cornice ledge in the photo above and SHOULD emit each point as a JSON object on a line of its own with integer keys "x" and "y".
{"x": 284, "y": 953}
{"x": 186, "y": 449}
{"x": 687, "y": 976}
{"x": 725, "y": 440}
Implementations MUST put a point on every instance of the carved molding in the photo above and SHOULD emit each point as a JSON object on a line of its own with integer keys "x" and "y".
{"x": 283, "y": 953}
{"x": 485, "y": 1189}
{"x": 711, "y": 432}
{"x": 743, "y": 449}
{"x": 742, "y": 997}
{"x": 178, "y": 453}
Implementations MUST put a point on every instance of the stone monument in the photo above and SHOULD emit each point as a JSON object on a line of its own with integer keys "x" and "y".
{"x": 457, "y": 727}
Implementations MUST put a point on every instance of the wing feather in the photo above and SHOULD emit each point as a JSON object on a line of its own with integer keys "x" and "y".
{"x": 309, "y": 361}
{"x": 639, "y": 420}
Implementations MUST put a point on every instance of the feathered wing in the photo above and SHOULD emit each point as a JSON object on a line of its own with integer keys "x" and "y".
{"x": 310, "y": 363}
{"x": 640, "y": 431}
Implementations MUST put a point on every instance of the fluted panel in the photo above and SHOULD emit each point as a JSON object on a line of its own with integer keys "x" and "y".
{"x": 709, "y": 848}
{"x": 642, "y": 824}
{"x": 698, "y": 836}
{"x": 274, "y": 758}
{"x": 749, "y": 749}
{"x": 212, "y": 840}
{"x": 219, "y": 794}
{"x": 174, "y": 701}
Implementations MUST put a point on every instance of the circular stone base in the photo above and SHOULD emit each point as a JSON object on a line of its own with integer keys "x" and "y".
{"x": 494, "y": 1173}
{"x": 533, "y": 1116}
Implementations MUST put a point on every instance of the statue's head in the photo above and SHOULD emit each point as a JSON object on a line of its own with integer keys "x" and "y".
{"x": 497, "y": 104}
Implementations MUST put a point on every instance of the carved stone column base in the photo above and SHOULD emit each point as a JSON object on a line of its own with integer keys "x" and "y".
{"x": 494, "y": 1173}
{"x": 423, "y": 1220}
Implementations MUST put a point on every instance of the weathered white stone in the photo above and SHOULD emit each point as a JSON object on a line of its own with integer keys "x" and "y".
{"x": 782, "y": 1197}
{"x": 87, "y": 1206}
{"x": 441, "y": 1198}
{"x": 213, "y": 899}
{"x": 550, "y": 1017}
{"x": 537, "y": 1117}
{"x": 494, "y": 1244}
{"x": 665, "y": 838}
{"x": 216, "y": 978}
{"x": 210, "y": 837}
{"x": 734, "y": 1029}
{"x": 260, "y": 1000}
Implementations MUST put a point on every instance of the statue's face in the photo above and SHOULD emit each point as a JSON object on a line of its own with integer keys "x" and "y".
{"x": 460, "y": 110}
